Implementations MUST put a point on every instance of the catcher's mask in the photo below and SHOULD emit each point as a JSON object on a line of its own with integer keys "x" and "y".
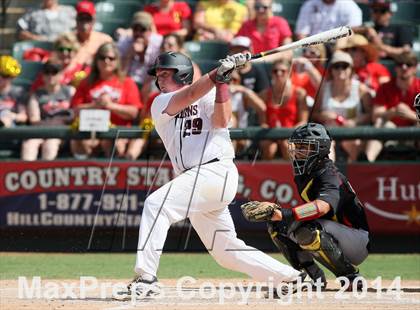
{"x": 417, "y": 106}
{"x": 179, "y": 62}
{"x": 307, "y": 145}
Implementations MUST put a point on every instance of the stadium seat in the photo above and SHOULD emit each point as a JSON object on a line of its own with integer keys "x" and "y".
{"x": 206, "y": 65}
{"x": 29, "y": 72}
{"x": 206, "y": 50}
{"x": 287, "y": 9}
{"x": 366, "y": 16}
{"x": 109, "y": 26}
{"x": 20, "y": 47}
{"x": 407, "y": 12}
{"x": 106, "y": 10}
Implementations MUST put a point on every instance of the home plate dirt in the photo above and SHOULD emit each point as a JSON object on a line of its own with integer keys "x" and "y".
{"x": 202, "y": 294}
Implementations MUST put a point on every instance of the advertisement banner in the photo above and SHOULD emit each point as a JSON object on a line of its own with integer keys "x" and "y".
{"x": 86, "y": 193}
{"x": 391, "y": 195}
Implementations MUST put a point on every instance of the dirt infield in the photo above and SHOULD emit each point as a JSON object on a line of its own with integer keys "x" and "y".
{"x": 204, "y": 294}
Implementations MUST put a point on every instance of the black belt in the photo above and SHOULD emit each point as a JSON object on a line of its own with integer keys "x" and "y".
{"x": 209, "y": 162}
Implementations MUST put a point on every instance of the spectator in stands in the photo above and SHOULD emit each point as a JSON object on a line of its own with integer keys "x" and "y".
{"x": 285, "y": 107}
{"x": 89, "y": 39}
{"x": 265, "y": 30}
{"x": 320, "y": 15}
{"x": 344, "y": 101}
{"x": 12, "y": 98}
{"x": 47, "y": 22}
{"x": 171, "y": 16}
{"x": 48, "y": 105}
{"x": 365, "y": 56}
{"x": 174, "y": 43}
{"x": 140, "y": 49}
{"x": 307, "y": 71}
{"x": 393, "y": 104}
{"x": 252, "y": 76}
{"x": 243, "y": 99}
{"x": 107, "y": 88}
{"x": 218, "y": 19}
{"x": 391, "y": 40}
{"x": 65, "y": 48}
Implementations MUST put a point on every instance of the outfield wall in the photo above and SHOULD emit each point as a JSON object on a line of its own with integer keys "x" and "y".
{"x": 97, "y": 206}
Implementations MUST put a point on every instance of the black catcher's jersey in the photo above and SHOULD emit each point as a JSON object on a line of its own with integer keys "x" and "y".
{"x": 328, "y": 184}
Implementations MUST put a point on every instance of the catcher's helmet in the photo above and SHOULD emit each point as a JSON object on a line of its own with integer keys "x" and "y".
{"x": 307, "y": 145}
{"x": 175, "y": 60}
{"x": 417, "y": 106}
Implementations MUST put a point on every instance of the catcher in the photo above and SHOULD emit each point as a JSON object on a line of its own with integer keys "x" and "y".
{"x": 331, "y": 226}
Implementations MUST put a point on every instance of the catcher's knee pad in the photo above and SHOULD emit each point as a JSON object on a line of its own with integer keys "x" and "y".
{"x": 290, "y": 249}
{"x": 324, "y": 248}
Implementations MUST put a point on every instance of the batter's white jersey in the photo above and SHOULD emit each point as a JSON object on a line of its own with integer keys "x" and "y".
{"x": 189, "y": 137}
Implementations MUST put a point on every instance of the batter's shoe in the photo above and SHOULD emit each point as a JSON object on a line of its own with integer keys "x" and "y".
{"x": 288, "y": 288}
{"x": 142, "y": 287}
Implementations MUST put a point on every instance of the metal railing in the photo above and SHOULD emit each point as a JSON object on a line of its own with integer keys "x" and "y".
{"x": 338, "y": 133}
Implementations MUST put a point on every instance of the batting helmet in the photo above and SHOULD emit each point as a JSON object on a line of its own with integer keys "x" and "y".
{"x": 9, "y": 66}
{"x": 307, "y": 145}
{"x": 177, "y": 61}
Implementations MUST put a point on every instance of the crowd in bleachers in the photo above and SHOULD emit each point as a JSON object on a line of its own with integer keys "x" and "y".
{"x": 73, "y": 55}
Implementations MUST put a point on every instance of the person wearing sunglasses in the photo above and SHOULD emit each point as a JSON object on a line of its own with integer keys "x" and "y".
{"x": 139, "y": 49}
{"x": 390, "y": 39}
{"x": 65, "y": 49}
{"x": 266, "y": 31}
{"x": 393, "y": 104}
{"x": 49, "y": 105}
{"x": 285, "y": 107}
{"x": 344, "y": 102}
{"x": 365, "y": 56}
{"x": 108, "y": 88}
{"x": 12, "y": 98}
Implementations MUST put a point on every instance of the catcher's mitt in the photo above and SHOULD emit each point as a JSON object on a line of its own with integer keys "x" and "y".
{"x": 255, "y": 211}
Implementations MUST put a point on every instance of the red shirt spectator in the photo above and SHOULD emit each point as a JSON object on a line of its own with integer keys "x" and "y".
{"x": 284, "y": 115}
{"x": 276, "y": 31}
{"x": 371, "y": 73}
{"x": 169, "y": 20}
{"x": 389, "y": 96}
{"x": 123, "y": 92}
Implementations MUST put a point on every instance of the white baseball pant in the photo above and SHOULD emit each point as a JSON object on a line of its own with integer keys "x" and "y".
{"x": 210, "y": 187}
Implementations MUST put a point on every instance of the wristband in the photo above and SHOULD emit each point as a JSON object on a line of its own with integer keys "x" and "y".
{"x": 222, "y": 93}
{"x": 339, "y": 120}
{"x": 287, "y": 215}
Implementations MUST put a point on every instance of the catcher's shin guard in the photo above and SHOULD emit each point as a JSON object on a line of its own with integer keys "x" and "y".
{"x": 295, "y": 255}
{"x": 325, "y": 249}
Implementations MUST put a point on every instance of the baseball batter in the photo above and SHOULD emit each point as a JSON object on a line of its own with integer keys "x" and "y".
{"x": 192, "y": 121}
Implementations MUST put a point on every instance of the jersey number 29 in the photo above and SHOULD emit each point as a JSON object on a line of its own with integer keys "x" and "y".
{"x": 193, "y": 126}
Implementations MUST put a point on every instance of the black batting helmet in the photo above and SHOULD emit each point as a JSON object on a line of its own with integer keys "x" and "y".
{"x": 175, "y": 60}
{"x": 307, "y": 145}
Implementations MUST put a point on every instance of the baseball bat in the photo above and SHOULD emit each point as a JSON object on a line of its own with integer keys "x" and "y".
{"x": 320, "y": 38}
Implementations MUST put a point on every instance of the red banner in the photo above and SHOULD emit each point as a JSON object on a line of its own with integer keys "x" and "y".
{"x": 73, "y": 193}
{"x": 391, "y": 195}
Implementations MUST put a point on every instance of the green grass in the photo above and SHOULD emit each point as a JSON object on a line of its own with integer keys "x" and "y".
{"x": 120, "y": 266}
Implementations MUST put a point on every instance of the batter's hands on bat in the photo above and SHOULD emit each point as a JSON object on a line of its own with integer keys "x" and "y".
{"x": 255, "y": 211}
{"x": 230, "y": 63}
